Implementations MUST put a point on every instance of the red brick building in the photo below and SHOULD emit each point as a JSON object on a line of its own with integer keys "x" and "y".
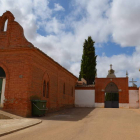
{"x": 26, "y": 72}
{"x": 108, "y": 92}
{"x": 100, "y": 90}
{"x": 112, "y": 85}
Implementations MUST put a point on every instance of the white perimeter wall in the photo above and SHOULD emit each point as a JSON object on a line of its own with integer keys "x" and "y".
{"x": 85, "y": 98}
{"x": 133, "y": 99}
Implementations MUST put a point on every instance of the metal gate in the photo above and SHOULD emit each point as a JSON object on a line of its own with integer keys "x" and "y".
{"x": 111, "y": 96}
{"x": 112, "y": 100}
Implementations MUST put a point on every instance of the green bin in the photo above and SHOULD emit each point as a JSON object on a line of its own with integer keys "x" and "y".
{"x": 38, "y": 107}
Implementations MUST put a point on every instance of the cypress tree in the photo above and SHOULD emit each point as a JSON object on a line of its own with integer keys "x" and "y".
{"x": 88, "y": 62}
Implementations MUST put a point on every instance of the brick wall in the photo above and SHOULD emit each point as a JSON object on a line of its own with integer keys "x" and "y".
{"x": 43, "y": 68}
{"x": 122, "y": 84}
{"x": 26, "y": 68}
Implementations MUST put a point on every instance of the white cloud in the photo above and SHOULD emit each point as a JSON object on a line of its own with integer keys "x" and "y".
{"x": 121, "y": 64}
{"x": 97, "y": 18}
{"x": 58, "y": 7}
{"x": 125, "y": 19}
{"x": 54, "y": 26}
{"x": 41, "y": 9}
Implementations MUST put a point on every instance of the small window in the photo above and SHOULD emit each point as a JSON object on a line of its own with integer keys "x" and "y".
{"x": 5, "y": 25}
{"x": 47, "y": 90}
{"x": 44, "y": 88}
{"x": 64, "y": 88}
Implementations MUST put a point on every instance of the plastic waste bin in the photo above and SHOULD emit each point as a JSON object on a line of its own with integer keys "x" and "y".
{"x": 38, "y": 107}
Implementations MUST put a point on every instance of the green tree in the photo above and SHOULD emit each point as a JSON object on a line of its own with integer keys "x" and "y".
{"x": 88, "y": 62}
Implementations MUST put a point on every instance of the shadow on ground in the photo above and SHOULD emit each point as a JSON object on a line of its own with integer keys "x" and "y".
{"x": 4, "y": 117}
{"x": 72, "y": 114}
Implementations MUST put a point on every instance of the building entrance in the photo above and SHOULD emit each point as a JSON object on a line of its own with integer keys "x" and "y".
{"x": 111, "y": 96}
{"x": 111, "y": 100}
{"x": 2, "y": 86}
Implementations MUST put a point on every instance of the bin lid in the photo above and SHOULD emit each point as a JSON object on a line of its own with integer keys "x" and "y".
{"x": 43, "y": 101}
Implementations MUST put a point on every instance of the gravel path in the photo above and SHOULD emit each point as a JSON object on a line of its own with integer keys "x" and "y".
{"x": 84, "y": 124}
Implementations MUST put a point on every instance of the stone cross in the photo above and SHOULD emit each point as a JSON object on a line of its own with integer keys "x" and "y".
{"x": 133, "y": 83}
{"x": 110, "y": 66}
{"x": 126, "y": 73}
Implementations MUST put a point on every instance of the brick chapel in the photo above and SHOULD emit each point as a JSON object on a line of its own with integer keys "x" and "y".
{"x": 26, "y": 72}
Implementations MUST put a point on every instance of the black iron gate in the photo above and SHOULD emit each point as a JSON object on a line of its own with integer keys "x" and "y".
{"x": 111, "y": 100}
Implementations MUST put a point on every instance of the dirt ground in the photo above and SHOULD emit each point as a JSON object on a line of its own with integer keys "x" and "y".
{"x": 84, "y": 124}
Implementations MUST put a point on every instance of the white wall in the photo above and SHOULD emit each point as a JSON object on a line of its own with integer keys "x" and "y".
{"x": 85, "y": 98}
{"x": 99, "y": 105}
{"x": 124, "y": 105}
{"x": 133, "y": 99}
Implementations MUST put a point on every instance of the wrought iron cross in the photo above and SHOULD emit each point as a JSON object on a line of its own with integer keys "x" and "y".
{"x": 133, "y": 82}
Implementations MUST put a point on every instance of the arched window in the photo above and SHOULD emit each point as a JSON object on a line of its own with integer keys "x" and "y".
{"x": 5, "y": 26}
{"x": 44, "y": 88}
{"x": 47, "y": 90}
{"x": 64, "y": 88}
{"x": 2, "y": 72}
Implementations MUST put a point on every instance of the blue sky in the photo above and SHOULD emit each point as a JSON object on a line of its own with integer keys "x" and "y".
{"x": 110, "y": 48}
{"x": 59, "y": 28}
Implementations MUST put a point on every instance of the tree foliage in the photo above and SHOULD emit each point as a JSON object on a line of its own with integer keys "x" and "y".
{"x": 88, "y": 62}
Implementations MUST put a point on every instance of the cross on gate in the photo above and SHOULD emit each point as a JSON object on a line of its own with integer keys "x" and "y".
{"x": 133, "y": 83}
{"x": 110, "y": 66}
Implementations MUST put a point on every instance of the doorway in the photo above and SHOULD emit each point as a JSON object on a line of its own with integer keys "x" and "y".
{"x": 2, "y": 86}
{"x": 111, "y": 96}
